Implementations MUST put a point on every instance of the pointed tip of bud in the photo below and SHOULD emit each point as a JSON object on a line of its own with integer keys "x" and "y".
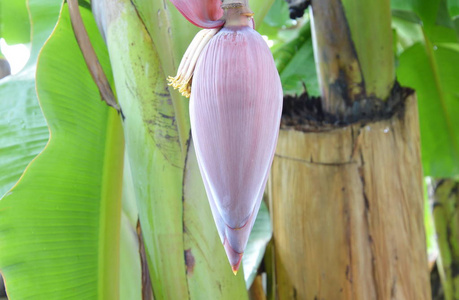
{"x": 234, "y": 257}
{"x": 235, "y": 267}
{"x": 234, "y": 270}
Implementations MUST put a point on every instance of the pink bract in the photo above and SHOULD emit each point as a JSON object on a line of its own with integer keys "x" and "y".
{"x": 202, "y": 13}
{"x": 235, "y": 111}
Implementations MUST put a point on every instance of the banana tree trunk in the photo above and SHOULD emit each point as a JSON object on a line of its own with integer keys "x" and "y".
{"x": 346, "y": 191}
{"x": 348, "y": 213}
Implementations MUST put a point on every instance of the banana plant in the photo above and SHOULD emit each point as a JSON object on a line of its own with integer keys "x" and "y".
{"x": 87, "y": 188}
{"x": 67, "y": 219}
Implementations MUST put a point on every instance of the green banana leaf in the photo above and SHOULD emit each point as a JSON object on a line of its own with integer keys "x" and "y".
{"x": 277, "y": 26}
{"x": 426, "y": 10}
{"x": 130, "y": 264}
{"x": 260, "y": 9}
{"x": 129, "y": 201}
{"x": 291, "y": 44}
{"x": 152, "y": 147}
{"x": 14, "y": 22}
{"x": 130, "y": 268}
{"x": 59, "y": 225}
{"x": 428, "y": 61}
{"x": 432, "y": 71}
{"x": 438, "y": 17}
{"x": 278, "y": 15}
{"x": 258, "y": 240}
{"x": 296, "y": 66}
{"x": 453, "y": 7}
{"x": 23, "y": 130}
{"x": 407, "y": 30}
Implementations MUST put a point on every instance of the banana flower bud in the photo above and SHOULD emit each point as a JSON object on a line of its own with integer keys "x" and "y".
{"x": 235, "y": 110}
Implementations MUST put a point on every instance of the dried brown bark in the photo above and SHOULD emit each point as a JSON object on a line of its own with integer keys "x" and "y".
{"x": 347, "y": 210}
{"x": 90, "y": 56}
{"x": 256, "y": 291}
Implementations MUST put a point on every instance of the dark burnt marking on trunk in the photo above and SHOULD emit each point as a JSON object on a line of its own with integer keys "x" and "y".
{"x": 304, "y": 113}
{"x": 367, "y": 208}
{"x": 348, "y": 234}
{"x": 294, "y": 293}
{"x": 348, "y": 273}
{"x": 340, "y": 88}
{"x": 189, "y": 261}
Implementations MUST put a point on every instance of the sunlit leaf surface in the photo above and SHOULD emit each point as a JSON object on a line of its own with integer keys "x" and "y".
{"x": 59, "y": 226}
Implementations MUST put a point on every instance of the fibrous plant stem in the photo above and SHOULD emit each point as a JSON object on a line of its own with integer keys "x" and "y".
{"x": 354, "y": 59}
{"x": 237, "y": 13}
{"x": 370, "y": 26}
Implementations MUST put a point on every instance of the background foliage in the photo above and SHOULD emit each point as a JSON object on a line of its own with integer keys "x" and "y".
{"x": 60, "y": 207}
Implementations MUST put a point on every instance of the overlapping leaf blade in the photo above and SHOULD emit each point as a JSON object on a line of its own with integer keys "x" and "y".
{"x": 427, "y": 64}
{"x": 295, "y": 62}
{"x": 23, "y": 130}
{"x": 59, "y": 226}
{"x": 259, "y": 238}
{"x": 433, "y": 73}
